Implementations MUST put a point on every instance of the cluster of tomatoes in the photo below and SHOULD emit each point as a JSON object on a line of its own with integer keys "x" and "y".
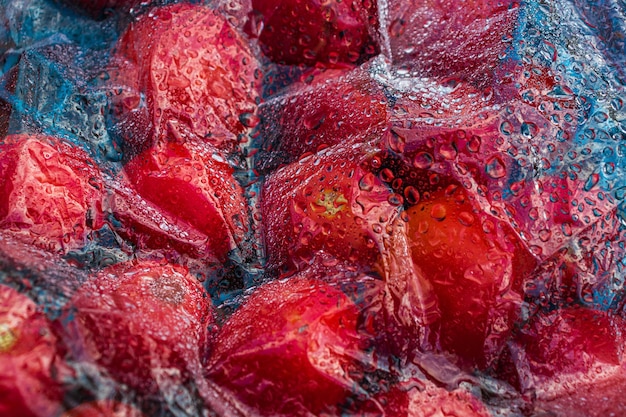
{"x": 264, "y": 140}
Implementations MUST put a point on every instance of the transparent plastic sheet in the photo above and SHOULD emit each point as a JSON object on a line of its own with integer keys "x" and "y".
{"x": 456, "y": 192}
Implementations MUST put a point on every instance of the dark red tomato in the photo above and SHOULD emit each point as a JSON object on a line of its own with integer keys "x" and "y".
{"x": 185, "y": 65}
{"x": 51, "y": 192}
{"x": 467, "y": 259}
{"x": 103, "y": 408}
{"x": 350, "y": 107}
{"x": 451, "y": 39}
{"x": 134, "y": 319}
{"x": 563, "y": 350}
{"x": 331, "y": 33}
{"x": 192, "y": 183}
{"x": 327, "y": 205}
{"x": 290, "y": 349}
{"x": 29, "y": 362}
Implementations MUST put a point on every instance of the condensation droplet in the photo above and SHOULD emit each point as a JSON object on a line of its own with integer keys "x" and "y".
{"x": 423, "y": 160}
{"x": 495, "y": 167}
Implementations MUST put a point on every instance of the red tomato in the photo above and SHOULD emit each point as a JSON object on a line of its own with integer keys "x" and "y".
{"x": 185, "y": 65}
{"x": 103, "y": 408}
{"x": 193, "y": 184}
{"x": 51, "y": 192}
{"x": 290, "y": 349}
{"x": 564, "y": 350}
{"x": 467, "y": 258}
{"x": 148, "y": 227}
{"x": 451, "y": 39}
{"x": 599, "y": 399}
{"x": 348, "y": 108}
{"x": 333, "y": 33}
{"x": 134, "y": 320}
{"x": 327, "y": 205}
{"x": 29, "y": 362}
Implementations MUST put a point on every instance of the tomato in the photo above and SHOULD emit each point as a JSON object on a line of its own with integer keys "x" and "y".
{"x": 192, "y": 183}
{"x": 185, "y": 65}
{"x": 136, "y": 319}
{"x": 310, "y": 32}
{"x": 103, "y": 408}
{"x": 52, "y": 192}
{"x": 439, "y": 38}
{"x": 148, "y": 228}
{"x": 29, "y": 359}
{"x": 350, "y": 107}
{"x": 328, "y": 205}
{"x": 468, "y": 259}
{"x": 602, "y": 398}
{"x": 562, "y": 351}
{"x": 419, "y": 398}
{"x": 292, "y": 348}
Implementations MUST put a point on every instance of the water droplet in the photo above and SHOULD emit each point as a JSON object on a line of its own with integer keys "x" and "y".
{"x": 544, "y": 235}
{"x": 386, "y": 175}
{"x": 249, "y": 119}
{"x": 423, "y": 160}
{"x": 474, "y": 144}
{"x": 448, "y": 151}
{"x": 397, "y": 27}
{"x": 367, "y": 182}
{"x": 466, "y": 218}
{"x": 506, "y": 128}
{"x": 412, "y": 195}
{"x": 495, "y": 167}
{"x": 438, "y": 212}
{"x": 395, "y": 199}
{"x": 591, "y": 181}
{"x": 396, "y": 142}
{"x": 529, "y": 130}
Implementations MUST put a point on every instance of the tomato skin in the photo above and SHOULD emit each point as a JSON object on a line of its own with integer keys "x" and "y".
{"x": 103, "y": 408}
{"x": 347, "y": 108}
{"x": 52, "y": 192}
{"x": 132, "y": 319}
{"x": 194, "y": 185}
{"x": 328, "y": 205}
{"x": 29, "y": 359}
{"x": 423, "y": 399}
{"x": 557, "y": 352}
{"x": 468, "y": 259}
{"x": 457, "y": 40}
{"x": 186, "y": 65}
{"x": 288, "y": 348}
{"x": 312, "y": 32}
